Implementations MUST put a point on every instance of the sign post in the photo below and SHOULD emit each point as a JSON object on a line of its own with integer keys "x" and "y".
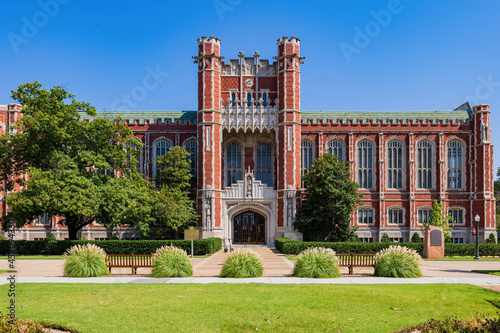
{"x": 192, "y": 234}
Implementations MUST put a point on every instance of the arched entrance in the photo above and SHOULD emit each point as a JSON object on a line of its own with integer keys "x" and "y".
{"x": 249, "y": 228}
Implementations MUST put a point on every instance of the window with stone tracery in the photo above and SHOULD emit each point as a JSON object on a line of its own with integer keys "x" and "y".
{"x": 263, "y": 163}
{"x": 395, "y": 165}
{"x": 455, "y": 153}
{"x": 365, "y": 164}
{"x": 336, "y": 147}
{"x": 424, "y": 164}
{"x": 161, "y": 147}
{"x": 234, "y": 162}
{"x": 306, "y": 157}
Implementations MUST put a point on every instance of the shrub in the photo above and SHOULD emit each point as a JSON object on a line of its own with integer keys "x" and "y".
{"x": 85, "y": 261}
{"x": 477, "y": 323}
{"x": 243, "y": 263}
{"x": 170, "y": 261}
{"x": 416, "y": 238}
{"x": 20, "y": 325}
{"x": 491, "y": 239}
{"x": 51, "y": 238}
{"x": 3, "y": 237}
{"x": 83, "y": 238}
{"x": 280, "y": 241}
{"x": 399, "y": 262}
{"x": 317, "y": 262}
{"x": 385, "y": 239}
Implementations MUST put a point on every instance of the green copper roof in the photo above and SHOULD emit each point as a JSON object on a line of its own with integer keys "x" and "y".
{"x": 171, "y": 116}
{"x": 463, "y": 115}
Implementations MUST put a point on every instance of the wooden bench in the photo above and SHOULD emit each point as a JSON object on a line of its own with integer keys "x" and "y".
{"x": 128, "y": 260}
{"x": 356, "y": 260}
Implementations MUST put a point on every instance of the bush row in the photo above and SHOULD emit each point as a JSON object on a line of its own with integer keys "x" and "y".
{"x": 288, "y": 246}
{"x": 24, "y": 247}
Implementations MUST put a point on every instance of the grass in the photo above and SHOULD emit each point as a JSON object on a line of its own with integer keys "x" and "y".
{"x": 243, "y": 263}
{"x": 34, "y": 257}
{"x": 317, "y": 262}
{"x": 246, "y": 307}
{"x": 486, "y": 272}
{"x": 6, "y": 271}
{"x": 170, "y": 261}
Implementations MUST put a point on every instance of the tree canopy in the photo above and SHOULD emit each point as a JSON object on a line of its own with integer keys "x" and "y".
{"x": 72, "y": 165}
{"x": 330, "y": 198}
{"x": 438, "y": 219}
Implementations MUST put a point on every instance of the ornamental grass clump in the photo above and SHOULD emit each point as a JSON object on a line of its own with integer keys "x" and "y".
{"x": 317, "y": 262}
{"x": 243, "y": 263}
{"x": 171, "y": 261}
{"x": 398, "y": 262}
{"x": 85, "y": 261}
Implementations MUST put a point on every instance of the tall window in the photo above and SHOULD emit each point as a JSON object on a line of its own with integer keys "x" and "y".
{"x": 264, "y": 99}
{"x": 365, "y": 216}
{"x": 455, "y": 152}
{"x": 395, "y": 164}
{"x": 233, "y": 98}
{"x": 336, "y": 148}
{"x": 264, "y": 169}
{"x": 139, "y": 164}
{"x": 395, "y": 215}
{"x": 191, "y": 147}
{"x": 306, "y": 157}
{"x": 234, "y": 162}
{"x": 457, "y": 214}
{"x": 160, "y": 148}
{"x": 365, "y": 164}
{"x": 423, "y": 215}
{"x": 424, "y": 164}
{"x": 249, "y": 99}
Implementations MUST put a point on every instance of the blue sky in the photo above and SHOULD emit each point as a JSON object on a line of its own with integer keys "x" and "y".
{"x": 415, "y": 55}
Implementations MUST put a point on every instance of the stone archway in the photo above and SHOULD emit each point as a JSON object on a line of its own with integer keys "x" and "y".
{"x": 249, "y": 227}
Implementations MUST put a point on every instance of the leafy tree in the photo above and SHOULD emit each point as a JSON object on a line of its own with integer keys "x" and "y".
{"x": 438, "y": 219}
{"x": 330, "y": 198}
{"x": 71, "y": 164}
{"x": 175, "y": 210}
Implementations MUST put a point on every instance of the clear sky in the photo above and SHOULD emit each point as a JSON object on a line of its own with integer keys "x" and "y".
{"x": 360, "y": 55}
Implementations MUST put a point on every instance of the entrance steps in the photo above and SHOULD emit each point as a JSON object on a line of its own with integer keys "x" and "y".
{"x": 275, "y": 263}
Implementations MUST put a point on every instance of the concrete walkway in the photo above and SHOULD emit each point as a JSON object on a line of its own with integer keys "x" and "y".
{"x": 277, "y": 270}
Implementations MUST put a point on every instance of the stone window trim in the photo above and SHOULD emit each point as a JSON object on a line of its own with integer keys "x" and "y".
{"x": 365, "y": 216}
{"x": 423, "y": 213}
{"x": 239, "y": 169}
{"x": 455, "y": 157}
{"x": 308, "y": 145}
{"x": 458, "y": 214}
{"x": 396, "y": 215}
{"x": 422, "y": 181}
{"x": 333, "y": 145}
{"x": 157, "y": 142}
{"x": 366, "y": 173}
{"x": 270, "y": 182}
{"x": 395, "y": 164}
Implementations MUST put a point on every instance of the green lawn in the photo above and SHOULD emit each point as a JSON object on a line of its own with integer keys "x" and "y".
{"x": 246, "y": 307}
{"x": 41, "y": 257}
{"x": 6, "y": 271}
{"x": 487, "y": 272}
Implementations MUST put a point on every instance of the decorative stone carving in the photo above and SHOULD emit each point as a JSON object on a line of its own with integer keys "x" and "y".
{"x": 248, "y": 189}
{"x": 249, "y": 118}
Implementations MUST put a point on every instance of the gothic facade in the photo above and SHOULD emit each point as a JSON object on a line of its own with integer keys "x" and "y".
{"x": 250, "y": 143}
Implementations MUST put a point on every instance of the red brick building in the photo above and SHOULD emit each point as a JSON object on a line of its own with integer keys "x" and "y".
{"x": 250, "y": 142}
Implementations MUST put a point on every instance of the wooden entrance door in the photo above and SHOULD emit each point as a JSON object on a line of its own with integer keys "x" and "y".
{"x": 249, "y": 228}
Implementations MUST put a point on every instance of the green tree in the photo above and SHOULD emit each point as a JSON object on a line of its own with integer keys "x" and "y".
{"x": 175, "y": 210}
{"x": 71, "y": 164}
{"x": 385, "y": 238}
{"x": 330, "y": 198}
{"x": 438, "y": 219}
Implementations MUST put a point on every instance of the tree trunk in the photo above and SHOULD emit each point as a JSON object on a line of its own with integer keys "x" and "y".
{"x": 73, "y": 227}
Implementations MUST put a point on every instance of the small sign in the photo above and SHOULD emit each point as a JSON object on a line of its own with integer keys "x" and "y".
{"x": 192, "y": 233}
{"x": 436, "y": 238}
{"x": 474, "y": 231}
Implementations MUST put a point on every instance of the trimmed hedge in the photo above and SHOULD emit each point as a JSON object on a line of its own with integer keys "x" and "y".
{"x": 24, "y": 247}
{"x": 280, "y": 241}
{"x": 288, "y": 246}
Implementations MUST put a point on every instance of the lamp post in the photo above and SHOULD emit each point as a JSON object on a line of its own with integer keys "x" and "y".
{"x": 477, "y": 218}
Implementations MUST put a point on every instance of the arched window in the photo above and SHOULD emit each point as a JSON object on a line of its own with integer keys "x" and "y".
{"x": 263, "y": 168}
{"x": 365, "y": 215}
{"x": 234, "y": 163}
{"x": 423, "y": 215}
{"x": 365, "y": 164}
{"x": 395, "y": 164}
{"x": 424, "y": 164}
{"x": 395, "y": 215}
{"x": 191, "y": 147}
{"x": 161, "y": 147}
{"x": 455, "y": 152}
{"x": 336, "y": 148}
{"x": 306, "y": 157}
{"x": 457, "y": 214}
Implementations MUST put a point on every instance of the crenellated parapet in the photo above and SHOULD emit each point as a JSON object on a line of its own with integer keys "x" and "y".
{"x": 143, "y": 118}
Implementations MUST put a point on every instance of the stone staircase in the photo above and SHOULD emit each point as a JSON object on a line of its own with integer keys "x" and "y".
{"x": 275, "y": 263}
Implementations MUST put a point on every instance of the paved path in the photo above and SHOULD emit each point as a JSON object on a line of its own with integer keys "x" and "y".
{"x": 277, "y": 270}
